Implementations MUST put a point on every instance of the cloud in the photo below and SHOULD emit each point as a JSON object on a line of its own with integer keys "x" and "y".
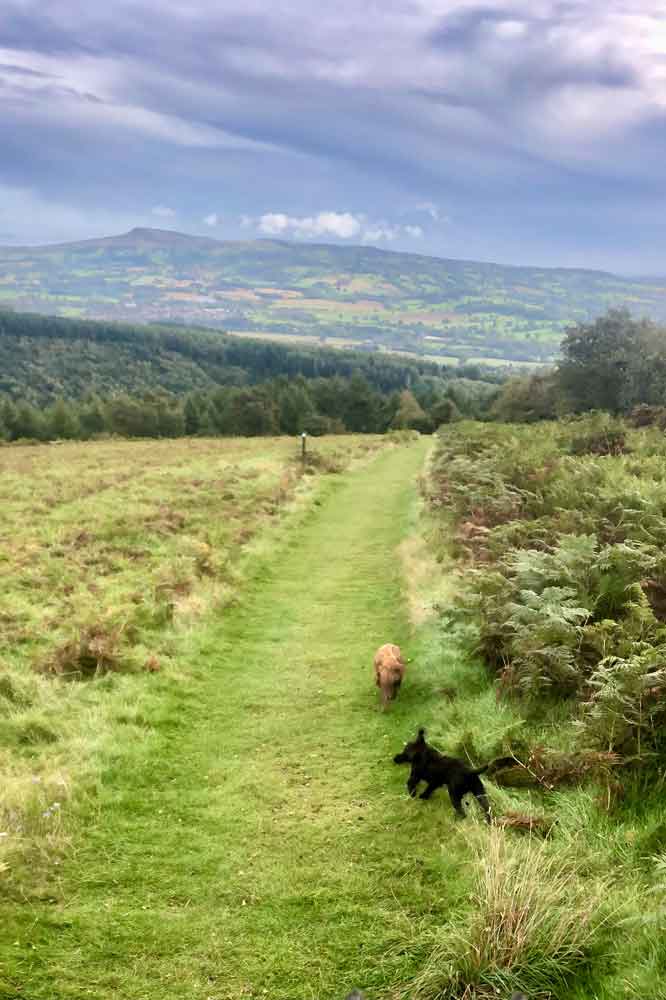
{"x": 380, "y": 233}
{"x": 531, "y": 117}
{"x": 163, "y": 211}
{"x": 341, "y": 225}
{"x": 212, "y": 220}
{"x": 336, "y": 225}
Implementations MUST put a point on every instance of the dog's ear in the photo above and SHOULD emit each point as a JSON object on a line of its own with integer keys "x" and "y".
{"x": 421, "y": 736}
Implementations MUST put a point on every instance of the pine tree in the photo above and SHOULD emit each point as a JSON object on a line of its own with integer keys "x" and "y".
{"x": 192, "y": 415}
{"x": 29, "y": 423}
{"x": 92, "y": 417}
{"x": 362, "y": 406}
{"x": 62, "y": 422}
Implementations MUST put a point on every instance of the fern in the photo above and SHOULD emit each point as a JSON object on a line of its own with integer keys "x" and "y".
{"x": 567, "y": 587}
{"x": 626, "y": 710}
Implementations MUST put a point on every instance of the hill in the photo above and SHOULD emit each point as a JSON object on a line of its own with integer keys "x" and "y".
{"x": 352, "y": 296}
{"x": 45, "y": 357}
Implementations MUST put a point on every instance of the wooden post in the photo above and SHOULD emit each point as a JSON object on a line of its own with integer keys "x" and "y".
{"x": 303, "y": 440}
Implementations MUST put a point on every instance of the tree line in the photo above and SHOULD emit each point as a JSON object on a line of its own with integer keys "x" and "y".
{"x": 277, "y": 406}
{"x": 616, "y": 363}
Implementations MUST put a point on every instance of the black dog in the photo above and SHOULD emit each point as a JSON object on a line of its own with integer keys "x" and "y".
{"x": 436, "y": 770}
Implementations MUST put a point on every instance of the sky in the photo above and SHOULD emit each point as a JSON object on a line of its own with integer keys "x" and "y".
{"x": 527, "y": 132}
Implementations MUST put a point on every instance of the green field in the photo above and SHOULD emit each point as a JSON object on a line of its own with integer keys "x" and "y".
{"x": 334, "y": 294}
{"x": 216, "y": 814}
{"x": 110, "y": 555}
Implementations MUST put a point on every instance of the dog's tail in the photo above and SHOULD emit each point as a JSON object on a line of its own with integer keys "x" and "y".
{"x": 497, "y": 764}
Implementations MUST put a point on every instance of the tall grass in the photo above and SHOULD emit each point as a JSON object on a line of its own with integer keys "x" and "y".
{"x": 554, "y": 537}
{"x": 533, "y": 924}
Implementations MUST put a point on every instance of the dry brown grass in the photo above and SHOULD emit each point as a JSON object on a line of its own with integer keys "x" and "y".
{"x": 524, "y": 823}
{"x": 95, "y": 651}
{"x": 551, "y": 768}
{"x": 426, "y": 586}
{"x": 420, "y": 570}
{"x": 100, "y": 541}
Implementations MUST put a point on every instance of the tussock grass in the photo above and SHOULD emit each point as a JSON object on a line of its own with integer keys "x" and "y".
{"x": 533, "y": 923}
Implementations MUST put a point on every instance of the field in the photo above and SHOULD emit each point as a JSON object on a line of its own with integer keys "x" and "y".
{"x": 215, "y": 813}
{"x": 356, "y": 295}
{"x": 110, "y": 554}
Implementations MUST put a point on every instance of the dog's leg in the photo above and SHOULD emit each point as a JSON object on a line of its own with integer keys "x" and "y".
{"x": 413, "y": 782}
{"x": 429, "y": 790}
{"x": 456, "y": 795}
{"x": 482, "y": 799}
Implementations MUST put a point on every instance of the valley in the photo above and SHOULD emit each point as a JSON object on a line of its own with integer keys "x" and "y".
{"x": 357, "y": 296}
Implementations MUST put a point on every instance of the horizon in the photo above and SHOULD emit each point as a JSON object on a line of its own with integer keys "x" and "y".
{"x": 527, "y": 134}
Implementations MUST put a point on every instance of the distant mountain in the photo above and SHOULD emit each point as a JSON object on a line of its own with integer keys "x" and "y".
{"x": 310, "y": 293}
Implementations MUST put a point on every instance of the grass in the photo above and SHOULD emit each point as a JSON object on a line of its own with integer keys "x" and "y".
{"x": 216, "y": 831}
{"x": 577, "y": 915}
{"x": 109, "y": 553}
{"x": 215, "y": 819}
{"x": 521, "y": 930}
{"x": 243, "y": 832}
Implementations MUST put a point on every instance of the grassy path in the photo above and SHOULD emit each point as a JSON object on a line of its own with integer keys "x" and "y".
{"x": 251, "y": 838}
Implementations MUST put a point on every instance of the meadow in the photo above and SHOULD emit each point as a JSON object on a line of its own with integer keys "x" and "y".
{"x": 110, "y": 552}
{"x": 214, "y": 812}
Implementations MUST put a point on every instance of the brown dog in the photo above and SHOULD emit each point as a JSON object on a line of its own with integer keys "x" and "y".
{"x": 389, "y": 671}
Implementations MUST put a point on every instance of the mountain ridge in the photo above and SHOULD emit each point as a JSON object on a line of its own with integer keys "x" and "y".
{"x": 447, "y": 309}
{"x": 158, "y": 235}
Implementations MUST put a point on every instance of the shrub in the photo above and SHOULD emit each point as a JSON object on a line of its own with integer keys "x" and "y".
{"x": 567, "y": 570}
{"x": 598, "y": 434}
{"x": 645, "y": 415}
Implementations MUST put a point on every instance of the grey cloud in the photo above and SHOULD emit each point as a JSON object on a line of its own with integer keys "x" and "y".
{"x": 462, "y": 27}
{"x": 537, "y": 60}
{"x": 282, "y": 106}
{"x": 46, "y": 94}
{"x": 27, "y": 30}
{"x": 24, "y": 71}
